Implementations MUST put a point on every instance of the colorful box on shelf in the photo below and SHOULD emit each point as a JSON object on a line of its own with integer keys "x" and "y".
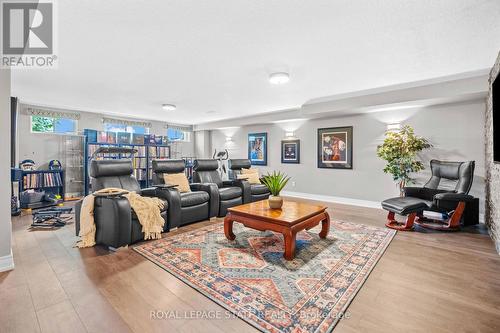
{"x": 123, "y": 138}
{"x": 158, "y": 139}
{"x": 111, "y": 137}
{"x": 91, "y": 135}
{"x": 138, "y": 139}
{"x": 102, "y": 137}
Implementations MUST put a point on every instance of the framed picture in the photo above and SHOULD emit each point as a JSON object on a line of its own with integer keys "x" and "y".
{"x": 335, "y": 148}
{"x": 257, "y": 148}
{"x": 290, "y": 151}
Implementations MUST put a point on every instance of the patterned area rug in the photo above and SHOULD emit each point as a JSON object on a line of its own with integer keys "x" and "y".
{"x": 250, "y": 277}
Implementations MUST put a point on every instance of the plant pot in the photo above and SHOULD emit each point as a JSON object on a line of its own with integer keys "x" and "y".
{"x": 275, "y": 202}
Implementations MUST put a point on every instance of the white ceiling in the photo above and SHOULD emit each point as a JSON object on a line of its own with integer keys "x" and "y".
{"x": 128, "y": 57}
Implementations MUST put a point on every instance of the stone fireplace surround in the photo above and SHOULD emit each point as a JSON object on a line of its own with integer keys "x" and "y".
{"x": 492, "y": 217}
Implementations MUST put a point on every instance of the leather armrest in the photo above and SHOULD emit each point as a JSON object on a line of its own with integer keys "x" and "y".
{"x": 78, "y": 209}
{"x": 422, "y": 192}
{"x": 173, "y": 198}
{"x": 244, "y": 185}
{"x": 232, "y": 182}
{"x": 213, "y": 191}
{"x": 113, "y": 220}
{"x": 413, "y": 191}
{"x": 456, "y": 197}
{"x": 148, "y": 192}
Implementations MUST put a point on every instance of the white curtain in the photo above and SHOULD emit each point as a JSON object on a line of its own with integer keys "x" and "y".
{"x": 33, "y": 111}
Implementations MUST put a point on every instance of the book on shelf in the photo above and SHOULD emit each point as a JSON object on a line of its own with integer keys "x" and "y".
{"x": 152, "y": 152}
{"x": 140, "y": 174}
{"x": 39, "y": 180}
{"x": 141, "y": 151}
{"x": 139, "y": 162}
{"x": 163, "y": 152}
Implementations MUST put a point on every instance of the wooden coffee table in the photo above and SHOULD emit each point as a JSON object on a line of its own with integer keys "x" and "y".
{"x": 290, "y": 219}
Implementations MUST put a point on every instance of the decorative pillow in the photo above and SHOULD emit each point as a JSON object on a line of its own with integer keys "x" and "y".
{"x": 252, "y": 174}
{"x": 178, "y": 179}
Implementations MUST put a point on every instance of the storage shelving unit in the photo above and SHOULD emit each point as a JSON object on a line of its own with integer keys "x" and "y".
{"x": 72, "y": 160}
{"x": 146, "y": 152}
{"x": 49, "y": 181}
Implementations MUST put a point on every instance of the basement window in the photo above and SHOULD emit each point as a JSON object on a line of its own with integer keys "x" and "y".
{"x": 41, "y": 124}
{"x": 109, "y": 127}
{"x": 178, "y": 135}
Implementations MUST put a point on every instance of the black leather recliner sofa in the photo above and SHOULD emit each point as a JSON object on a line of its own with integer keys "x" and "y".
{"x": 257, "y": 191}
{"x": 116, "y": 223}
{"x": 229, "y": 192}
{"x": 200, "y": 204}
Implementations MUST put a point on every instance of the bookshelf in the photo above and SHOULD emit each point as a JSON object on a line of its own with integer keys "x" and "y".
{"x": 49, "y": 181}
{"x": 148, "y": 147}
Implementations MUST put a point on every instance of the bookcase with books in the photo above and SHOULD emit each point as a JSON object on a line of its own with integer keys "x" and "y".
{"x": 148, "y": 147}
{"x": 49, "y": 182}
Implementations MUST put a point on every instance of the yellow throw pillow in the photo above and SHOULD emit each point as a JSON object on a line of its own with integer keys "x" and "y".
{"x": 242, "y": 177}
{"x": 178, "y": 179}
{"x": 252, "y": 174}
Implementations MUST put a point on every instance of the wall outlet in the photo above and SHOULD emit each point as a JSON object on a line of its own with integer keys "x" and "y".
{"x": 293, "y": 184}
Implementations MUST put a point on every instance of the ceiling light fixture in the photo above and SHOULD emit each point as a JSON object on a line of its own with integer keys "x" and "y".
{"x": 169, "y": 107}
{"x": 279, "y": 78}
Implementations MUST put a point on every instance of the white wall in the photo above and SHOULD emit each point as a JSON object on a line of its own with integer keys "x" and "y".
{"x": 202, "y": 145}
{"x": 456, "y": 131}
{"x": 6, "y": 261}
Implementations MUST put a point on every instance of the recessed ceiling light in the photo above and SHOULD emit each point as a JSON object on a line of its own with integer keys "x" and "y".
{"x": 279, "y": 78}
{"x": 169, "y": 107}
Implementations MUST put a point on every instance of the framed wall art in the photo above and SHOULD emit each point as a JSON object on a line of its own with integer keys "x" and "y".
{"x": 257, "y": 148}
{"x": 290, "y": 151}
{"x": 335, "y": 147}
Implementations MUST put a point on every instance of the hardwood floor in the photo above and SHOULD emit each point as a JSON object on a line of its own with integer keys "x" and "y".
{"x": 426, "y": 281}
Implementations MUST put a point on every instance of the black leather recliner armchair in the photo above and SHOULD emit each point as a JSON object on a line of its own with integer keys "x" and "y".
{"x": 434, "y": 196}
{"x": 200, "y": 204}
{"x": 116, "y": 223}
{"x": 257, "y": 191}
{"x": 229, "y": 192}
{"x": 439, "y": 198}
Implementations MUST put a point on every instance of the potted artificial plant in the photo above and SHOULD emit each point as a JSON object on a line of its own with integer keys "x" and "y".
{"x": 275, "y": 182}
{"x": 400, "y": 149}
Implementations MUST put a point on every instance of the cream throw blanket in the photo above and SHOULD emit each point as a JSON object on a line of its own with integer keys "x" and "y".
{"x": 147, "y": 209}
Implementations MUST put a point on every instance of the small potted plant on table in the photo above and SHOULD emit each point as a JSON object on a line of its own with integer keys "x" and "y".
{"x": 275, "y": 182}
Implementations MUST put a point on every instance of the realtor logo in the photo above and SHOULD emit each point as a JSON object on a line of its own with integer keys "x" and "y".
{"x": 28, "y": 30}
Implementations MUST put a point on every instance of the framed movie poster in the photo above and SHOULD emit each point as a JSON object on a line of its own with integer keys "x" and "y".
{"x": 335, "y": 147}
{"x": 257, "y": 148}
{"x": 290, "y": 151}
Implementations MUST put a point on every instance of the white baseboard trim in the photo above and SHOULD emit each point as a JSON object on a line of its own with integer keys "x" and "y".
{"x": 328, "y": 198}
{"x": 7, "y": 262}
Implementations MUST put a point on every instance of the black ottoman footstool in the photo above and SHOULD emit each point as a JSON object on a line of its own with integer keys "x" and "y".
{"x": 406, "y": 206}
